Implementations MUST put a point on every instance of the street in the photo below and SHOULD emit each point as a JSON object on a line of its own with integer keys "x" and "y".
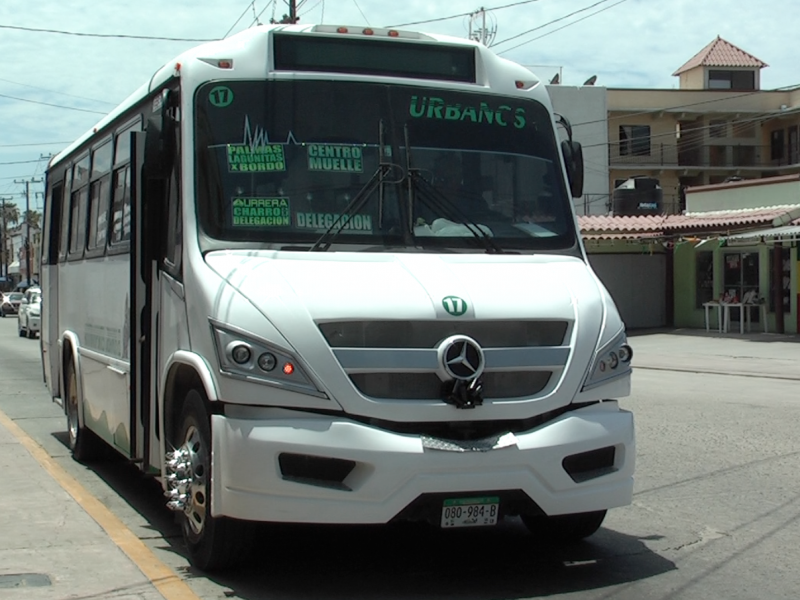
{"x": 715, "y": 511}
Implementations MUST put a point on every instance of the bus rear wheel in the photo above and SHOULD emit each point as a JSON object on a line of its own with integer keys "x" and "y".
{"x": 563, "y": 529}
{"x": 83, "y": 443}
{"x": 213, "y": 543}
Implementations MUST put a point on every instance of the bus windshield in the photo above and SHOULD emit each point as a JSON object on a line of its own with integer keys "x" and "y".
{"x": 279, "y": 162}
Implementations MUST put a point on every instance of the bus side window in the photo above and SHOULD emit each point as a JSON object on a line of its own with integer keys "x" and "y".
{"x": 79, "y": 207}
{"x": 172, "y": 251}
{"x": 98, "y": 198}
{"x": 120, "y": 213}
{"x": 66, "y": 211}
{"x": 52, "y": 221}
{"x": 121, "y": 206}
{"x": 77, "y": 236}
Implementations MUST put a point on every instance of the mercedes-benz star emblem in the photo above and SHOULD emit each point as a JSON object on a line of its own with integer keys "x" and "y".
{"x": 461, "y": 358}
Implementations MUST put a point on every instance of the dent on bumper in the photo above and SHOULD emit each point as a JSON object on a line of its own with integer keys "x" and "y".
{"x": 392, "y": 470}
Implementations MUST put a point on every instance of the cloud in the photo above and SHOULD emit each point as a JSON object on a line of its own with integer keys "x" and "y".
{"x": 636, "y": 44}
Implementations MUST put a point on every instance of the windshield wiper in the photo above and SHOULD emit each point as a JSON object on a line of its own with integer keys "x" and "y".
{"x": 359, "y": 200}
{"x": 433, "y": 198}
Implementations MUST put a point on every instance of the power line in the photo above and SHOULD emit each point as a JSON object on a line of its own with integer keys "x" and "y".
{"x": 97, "y": 112}
{"x": 519, "y": 35}
{"x": 33, "y": 144}
{"x": 313, "y": 7}
{"x": 361, "y": 11}
{"x": 36, "y": 87}
{"x": 109, "y": 35}
{"x": 785, "y": 88}
{"x": 244, "y": 12}
{"x": 466, "y": 14}
{"x": 565, "y": 26}
{"x": 20, "y": 162}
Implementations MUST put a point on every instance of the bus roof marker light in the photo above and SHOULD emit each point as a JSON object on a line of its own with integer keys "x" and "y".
{"x": 225, "y": 63}
{"x": 342, "y": 30}
{"x": 393, "y": 33}
{"x": 368, "y": 31}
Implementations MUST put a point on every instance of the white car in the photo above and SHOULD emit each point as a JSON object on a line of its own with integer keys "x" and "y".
{"x": 29, "y": 313}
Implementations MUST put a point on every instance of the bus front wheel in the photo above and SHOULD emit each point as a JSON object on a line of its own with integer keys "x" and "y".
{"x": 563, "y": 529}
{"x": 213, "y": 543}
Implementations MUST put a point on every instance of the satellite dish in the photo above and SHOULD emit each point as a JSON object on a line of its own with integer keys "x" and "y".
{"x": 591, "y": 80}
{"x": 555, "y": 80}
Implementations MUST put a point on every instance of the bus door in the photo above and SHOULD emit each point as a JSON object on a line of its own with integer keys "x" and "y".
{"x": 48, "y": 280}
{"x": 156, "y": 183}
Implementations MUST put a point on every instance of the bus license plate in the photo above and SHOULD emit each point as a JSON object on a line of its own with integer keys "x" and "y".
{"x": 470, "y": 512}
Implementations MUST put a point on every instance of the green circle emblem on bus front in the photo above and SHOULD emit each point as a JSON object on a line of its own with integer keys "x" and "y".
{"x": 220, "y": 96}
{"x": 454, "y": 305}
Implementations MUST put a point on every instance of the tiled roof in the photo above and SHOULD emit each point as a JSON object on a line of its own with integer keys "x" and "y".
{"x": 606, "y": 224}
{"x": 721, "y": 53}
{"x": 606, "y": 227}
{"x": 727, "y": 218}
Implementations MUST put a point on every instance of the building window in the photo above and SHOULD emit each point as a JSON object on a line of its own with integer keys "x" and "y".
{"x": 740, "y": 276}
{"x": 732, "y": 80}
{"x": 718, "y": 129}
{"x": 634, "y": 140}
{"x": 776, "y": 145}
{"x": 794, "y": 150}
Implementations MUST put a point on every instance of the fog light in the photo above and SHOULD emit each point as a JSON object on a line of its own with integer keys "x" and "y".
{"x": 240, "y": 354}
{"x": 267, "y": 361}
{"x": 625, "y": 353}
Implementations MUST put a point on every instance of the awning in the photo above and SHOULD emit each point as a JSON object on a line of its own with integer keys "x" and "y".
{"x": 13, "y": 268}
{"x": 787, "y": 233}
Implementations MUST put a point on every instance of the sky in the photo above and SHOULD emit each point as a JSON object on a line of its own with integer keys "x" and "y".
{"x": 625, "y": 43}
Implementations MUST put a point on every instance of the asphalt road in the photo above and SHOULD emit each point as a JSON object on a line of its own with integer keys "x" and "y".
{"x": 715, "y": 512}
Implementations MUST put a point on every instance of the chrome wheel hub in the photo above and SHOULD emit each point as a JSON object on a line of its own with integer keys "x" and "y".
{"x": 186, "y": 477}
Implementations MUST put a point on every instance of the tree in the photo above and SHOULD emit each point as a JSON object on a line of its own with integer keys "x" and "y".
{"x": 11, "y": 213}
{"x": 33, "y": 218}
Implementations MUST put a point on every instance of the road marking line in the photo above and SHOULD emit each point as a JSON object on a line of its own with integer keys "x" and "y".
{"x": 165, "y": 580}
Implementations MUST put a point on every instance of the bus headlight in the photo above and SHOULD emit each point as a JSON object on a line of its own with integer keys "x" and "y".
{"x": 610, "y": 362}
{"x": 246, "y": 357}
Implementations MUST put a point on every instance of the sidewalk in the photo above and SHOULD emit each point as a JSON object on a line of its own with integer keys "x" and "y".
{"x": 50, "y": 548}
{"x": 697, "y": 351}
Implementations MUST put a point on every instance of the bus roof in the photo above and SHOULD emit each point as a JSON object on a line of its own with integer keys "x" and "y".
{"x": 236, "y": 44}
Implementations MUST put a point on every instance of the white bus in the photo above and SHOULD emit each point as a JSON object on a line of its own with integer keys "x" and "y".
{"x": 318, "y": 274}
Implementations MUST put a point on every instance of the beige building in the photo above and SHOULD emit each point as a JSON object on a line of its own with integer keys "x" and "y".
{"x": 718, "y": 126}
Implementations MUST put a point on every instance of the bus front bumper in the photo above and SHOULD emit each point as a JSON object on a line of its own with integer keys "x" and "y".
{"x": 316, "y": 469}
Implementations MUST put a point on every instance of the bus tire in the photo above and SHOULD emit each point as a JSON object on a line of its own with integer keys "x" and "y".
{"x": 83, "y": 443}
{"x": 213, "y": 543}
{"x": 563, "y": 529}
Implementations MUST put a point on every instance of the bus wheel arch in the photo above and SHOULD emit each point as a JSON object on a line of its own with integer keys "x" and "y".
{"x": 184, "y": 374}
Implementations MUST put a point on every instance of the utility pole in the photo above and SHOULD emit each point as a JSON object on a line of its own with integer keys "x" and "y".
{"x": 291, "y": 18}
{"x": 28, "y": 182}
{"x": 483, "y": 33}
{"x": 3, "y": 259}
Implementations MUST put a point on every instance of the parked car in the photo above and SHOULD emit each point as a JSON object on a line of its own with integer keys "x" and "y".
{"x": 29, "y": 313}
{"x": 10, "y": 304}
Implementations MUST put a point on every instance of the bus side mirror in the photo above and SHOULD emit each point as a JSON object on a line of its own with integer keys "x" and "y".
{"x": 159, "y": 142}
{"x": 573, "y": 161}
